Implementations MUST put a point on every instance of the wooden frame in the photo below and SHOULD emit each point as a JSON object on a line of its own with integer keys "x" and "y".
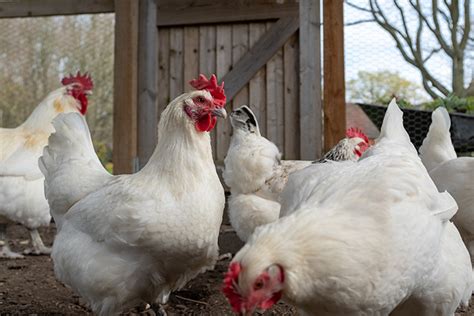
{"x": 188, "y": 12}
{"x": 136, "y": 47}
{"x": 310, "y": 81}
{"x": 34, "y": 8}
{"x": 124, "y": 154}
{"x": 334, "y": 83}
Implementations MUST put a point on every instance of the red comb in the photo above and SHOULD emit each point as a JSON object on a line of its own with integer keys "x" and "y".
{"x": 217, "y": 92}
{"x": 356, "y": 132}
{"x": 230, "y": 286}
{"x": 84, "y": 80}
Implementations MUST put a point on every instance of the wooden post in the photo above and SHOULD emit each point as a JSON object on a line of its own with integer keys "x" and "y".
{"x": 125, "y": 86}
{"x": 334, "y": 84}
{"x": 311, "y": 126}
{"x": 147, "y": 80}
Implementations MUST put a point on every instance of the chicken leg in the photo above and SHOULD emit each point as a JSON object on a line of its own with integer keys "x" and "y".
{"x": 5, "y": 251}
{"x": 38, "y": 247}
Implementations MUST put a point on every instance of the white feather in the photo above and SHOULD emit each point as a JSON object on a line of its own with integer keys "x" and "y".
{"x": 449, "y": 173}
{"x": 22, "y": 196}
{"x": 256, "y": 176}
{"x": 437, "y": 146}
{"x": 365, "y": 238}
{"x": 133, "y": 238}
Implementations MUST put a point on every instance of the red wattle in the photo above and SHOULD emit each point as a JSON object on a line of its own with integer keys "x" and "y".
{"x": 271, "y": 301}
{"x": 206, "y": 123}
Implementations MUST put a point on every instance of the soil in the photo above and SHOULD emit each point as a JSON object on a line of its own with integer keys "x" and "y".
{"x": 28, "y": 286}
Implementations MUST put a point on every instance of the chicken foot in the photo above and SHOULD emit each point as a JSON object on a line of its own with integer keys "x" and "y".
{"x": 5, "y": 251}
{"x": 159, "y": 309}
{"x": 38, "y": 247}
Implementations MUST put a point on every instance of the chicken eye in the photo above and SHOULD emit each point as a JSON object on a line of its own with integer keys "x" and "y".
{"x": 258, "y": 285}
{"x": 200, "y": 99}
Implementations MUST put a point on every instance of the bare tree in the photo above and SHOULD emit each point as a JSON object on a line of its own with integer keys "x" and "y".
{"x": 449, "y": 23}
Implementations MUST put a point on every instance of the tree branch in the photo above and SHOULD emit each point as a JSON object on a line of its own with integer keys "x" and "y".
{"x": 454, "y": 12}
{"x": 437, "y": 30}
{"x": 358, "y": 7}
{"x": 467, "y": 24}
{"x": 433, "y": 51}
{"x": 359, "y": 22}
{"x": 432, "y": 28}
{"x": 416, "y": 58}
{"x": 428, "y": 89}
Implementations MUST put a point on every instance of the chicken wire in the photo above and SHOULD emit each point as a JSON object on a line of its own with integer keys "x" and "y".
{"x": 370, "y": 49}
{"x": 370, "y": 52}
{"x": 35, "y": 53}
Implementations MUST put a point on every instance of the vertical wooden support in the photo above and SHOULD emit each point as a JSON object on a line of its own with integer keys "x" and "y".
{"x": 223, "y": 65}
{"x": 291, "y": 98}
{"x": 334, "y": 84}
{"x": 147, "y": 80}
{"x": 310, "y": 80}
{"x": 125, "y": 86}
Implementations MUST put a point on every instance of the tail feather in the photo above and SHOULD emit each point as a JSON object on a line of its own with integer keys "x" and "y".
{"x": 437, "y": 146}
{"x": 70, "y": 164}
{"x": 393, "y": 137}
{"x": 392, "y": 126}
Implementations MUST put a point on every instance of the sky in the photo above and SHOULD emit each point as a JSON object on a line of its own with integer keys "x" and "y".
{"x": 370, "y": 48}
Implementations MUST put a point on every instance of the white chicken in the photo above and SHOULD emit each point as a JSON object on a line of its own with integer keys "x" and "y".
{"x": 256, "y": 175}
{"x": 371, "y": 237}
{"x": 21, "y": 182}
{"x": 135, "y": 238}
{"x": 450, "y": 173}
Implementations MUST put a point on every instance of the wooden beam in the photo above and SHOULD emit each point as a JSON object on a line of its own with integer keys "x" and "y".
{"x": 187, "y": 12}
{"x": 310, "y": 81}
{"x": 258, "y": 55}
{"x": 147, "y": 80}
{"x": 334, "y": 84}
{"x": 34, "y": 8}
{"x": 125, "y": 86}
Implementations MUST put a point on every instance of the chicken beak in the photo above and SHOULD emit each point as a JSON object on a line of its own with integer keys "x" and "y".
{"x": 221, "y": 112}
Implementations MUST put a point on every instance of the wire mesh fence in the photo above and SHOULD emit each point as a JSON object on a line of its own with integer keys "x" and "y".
{"x": 35, "y": 53}
{"x": 376, "y": 67}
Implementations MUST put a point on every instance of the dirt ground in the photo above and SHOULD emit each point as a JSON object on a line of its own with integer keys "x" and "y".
{"x": 28, "y": 286}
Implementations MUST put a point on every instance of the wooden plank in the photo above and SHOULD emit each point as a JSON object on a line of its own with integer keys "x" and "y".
{"x": 163, "y": 69}
{"x": 35, "y": 8}
{"x": 334, "y": 83}
{"x": 191, "y": 55}
{"x": 310, "y": 81}
{"x": 280, "y": 101}
{"x": 271, "y": 98}
{"x": 125, "y": 86}
{"x": 240, "y": 46}
{"x": 147, "y": 80}
{"x": 223, "y": 66}
{"x": 275, "y": 98}
{"x": 291, "y": 81}
{"x": 257, "y": 86}
{"x": 190, "y": 12}
{"x": 176, "y": 62}
{"x": 207, "y": 63}
{"x": 260, "y": 53}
